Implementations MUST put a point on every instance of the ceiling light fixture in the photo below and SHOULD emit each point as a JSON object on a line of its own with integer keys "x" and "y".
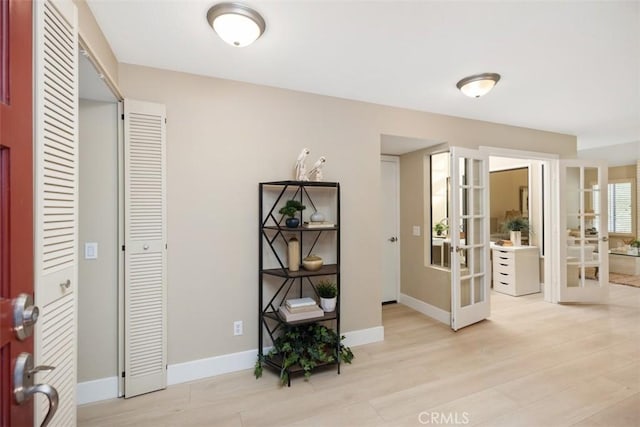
{"x": 477, "y": 85}
{"x": 235, "y": 23}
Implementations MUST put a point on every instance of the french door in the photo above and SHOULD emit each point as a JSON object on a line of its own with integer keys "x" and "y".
{"x": 583, "y": 263}
{"x": 469, "y": 229}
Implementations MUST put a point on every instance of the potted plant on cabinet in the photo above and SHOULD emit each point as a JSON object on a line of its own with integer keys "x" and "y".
{"x": 289, "y": 209}
{"x": 635, "y": 243}
{"x": 516, "y": 226}
{"x": 328, "y": 292}
{"x": 440, "y": 228}
{"x": 306, "y": 347}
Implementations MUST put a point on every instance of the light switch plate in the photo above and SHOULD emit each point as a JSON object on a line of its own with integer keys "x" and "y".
{"x": 91, "y": 250}
{"x": 416, "y": 230}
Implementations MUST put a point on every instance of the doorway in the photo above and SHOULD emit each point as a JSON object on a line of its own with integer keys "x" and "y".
{"x": 523, "y": 180}
{"x": 98, "y": 230}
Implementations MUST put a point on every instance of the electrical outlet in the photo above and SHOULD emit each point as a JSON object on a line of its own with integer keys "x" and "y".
{"x": 237, "y": 327}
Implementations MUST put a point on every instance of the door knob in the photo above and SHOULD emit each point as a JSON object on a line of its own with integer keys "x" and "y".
{"x": 24, "y": 389}
{"x": 605, "y": 238}
{"x": 393, "y": 239}
{"x": 25, "y": 315}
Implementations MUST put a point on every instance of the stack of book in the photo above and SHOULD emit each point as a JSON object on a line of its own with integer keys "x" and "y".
{"x": 318, "y": 224}
{"x": 300, "y": 309}
{"x": 504, "y": 243}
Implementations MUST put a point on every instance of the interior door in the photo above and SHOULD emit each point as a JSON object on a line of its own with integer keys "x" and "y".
{"x": 390, "y": 200}
{"x": 16, "y": 194}
{"x": 583, "y": 275}
{"x": 56, "y": 211}
{"x": 145, "y": 225}
{"x": 469, "y": 230}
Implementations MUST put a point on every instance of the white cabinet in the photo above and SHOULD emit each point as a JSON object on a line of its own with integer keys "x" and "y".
{"x": 516, "y": 270}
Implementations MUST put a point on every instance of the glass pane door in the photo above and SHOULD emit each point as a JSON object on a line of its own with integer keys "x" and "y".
{"x": 469, "y": 231}
{"x": 584, "y": 235}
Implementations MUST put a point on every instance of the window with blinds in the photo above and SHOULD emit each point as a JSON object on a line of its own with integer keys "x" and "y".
{"x": 620, "y": 208}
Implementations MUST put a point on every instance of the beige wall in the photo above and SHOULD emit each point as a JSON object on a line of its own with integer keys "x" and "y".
{"x": 97, "y": 290}
{"x": 418, "y": 281}
{"x": 223, "y": 138}
{"x": 505, "y": 192}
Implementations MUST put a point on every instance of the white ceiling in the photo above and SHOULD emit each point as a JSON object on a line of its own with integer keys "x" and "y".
{"x": 567, "y": 66}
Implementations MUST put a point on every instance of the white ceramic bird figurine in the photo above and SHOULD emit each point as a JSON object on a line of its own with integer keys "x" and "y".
{"x": 317, "y": 169}
{"x": 301, "y": 167}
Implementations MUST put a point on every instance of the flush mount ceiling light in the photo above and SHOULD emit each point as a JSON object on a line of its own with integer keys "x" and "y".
{"x": 478, "y": 85}
{"x": 236, "y": 24}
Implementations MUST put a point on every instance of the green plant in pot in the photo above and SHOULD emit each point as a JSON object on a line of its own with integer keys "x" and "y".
{"x": 440, "y": 228}
{"x": 290, "y": 209}
{"x": 635, "y": 244}
{"x": 328, "y": 293}
{"x": 517, "y": 226}
{"x": 306, "y": 347}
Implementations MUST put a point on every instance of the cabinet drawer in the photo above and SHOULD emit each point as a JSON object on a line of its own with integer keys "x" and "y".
{"x": 503, "y": 267}
{"x": 503, "y": 256}
{"x": 505, "y": 288}
{"x": 501, "y": 277}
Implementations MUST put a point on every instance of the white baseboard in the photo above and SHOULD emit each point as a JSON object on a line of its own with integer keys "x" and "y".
{"x": 426, "y": 309}
{"x": 364, "y": 336}
{"x": 96, "y": 390}
{"x": 107, "y": 388}
{"x": 211, "y": 366}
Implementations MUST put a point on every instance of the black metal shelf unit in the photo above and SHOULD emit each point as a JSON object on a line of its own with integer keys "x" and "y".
{"x": 273, "y": 232}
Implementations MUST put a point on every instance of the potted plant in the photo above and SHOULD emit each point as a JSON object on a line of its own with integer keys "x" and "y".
{"x": 328, "y": 293}
{"x": 289, "y": 209}
{"x": 516, "y": 226}
{"x": 306, "y": 347}
{"x": 440, "y": 228}
{"x": 635, "y": 243}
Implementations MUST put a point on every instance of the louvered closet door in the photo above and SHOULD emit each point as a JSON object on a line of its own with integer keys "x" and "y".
{"x": 56, "y": 228}
{"x": 145, "y": 248}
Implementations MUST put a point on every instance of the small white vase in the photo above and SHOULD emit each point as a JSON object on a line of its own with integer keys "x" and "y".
{"x": 328, "y": 304}
{"x": 516, "y": 238}
{"x": 317, "y": 217}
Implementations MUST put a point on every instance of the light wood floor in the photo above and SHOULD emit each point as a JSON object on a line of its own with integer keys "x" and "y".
{"x": 531, "y": 364}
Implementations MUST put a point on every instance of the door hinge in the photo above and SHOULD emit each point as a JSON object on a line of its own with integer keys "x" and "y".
{"x": 123, "y": 247}
{"x": 166, "y": 246}
{"x": 165, "y": 120}
{"x": 122, "y": 116}
{"x": 123, "y": 374}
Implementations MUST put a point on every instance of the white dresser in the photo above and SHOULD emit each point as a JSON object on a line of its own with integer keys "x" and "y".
{"x": 516, "y": 269}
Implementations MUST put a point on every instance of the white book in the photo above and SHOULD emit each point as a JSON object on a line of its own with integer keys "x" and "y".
{"x": 300, "y": 302}
{"x": 318, "y": 224}
{"x": 292, "y": 317}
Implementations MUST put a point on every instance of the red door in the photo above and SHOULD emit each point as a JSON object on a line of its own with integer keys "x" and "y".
{"x": 16, "y": 193}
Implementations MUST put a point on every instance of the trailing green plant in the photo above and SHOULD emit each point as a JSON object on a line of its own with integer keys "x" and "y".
{"x": 291, "y": 207}
{"x": 306, "y": 346}
{"x": 635, "y": 243}
{"x": 327, "y": 289}
{"x": 518, "y": 223}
